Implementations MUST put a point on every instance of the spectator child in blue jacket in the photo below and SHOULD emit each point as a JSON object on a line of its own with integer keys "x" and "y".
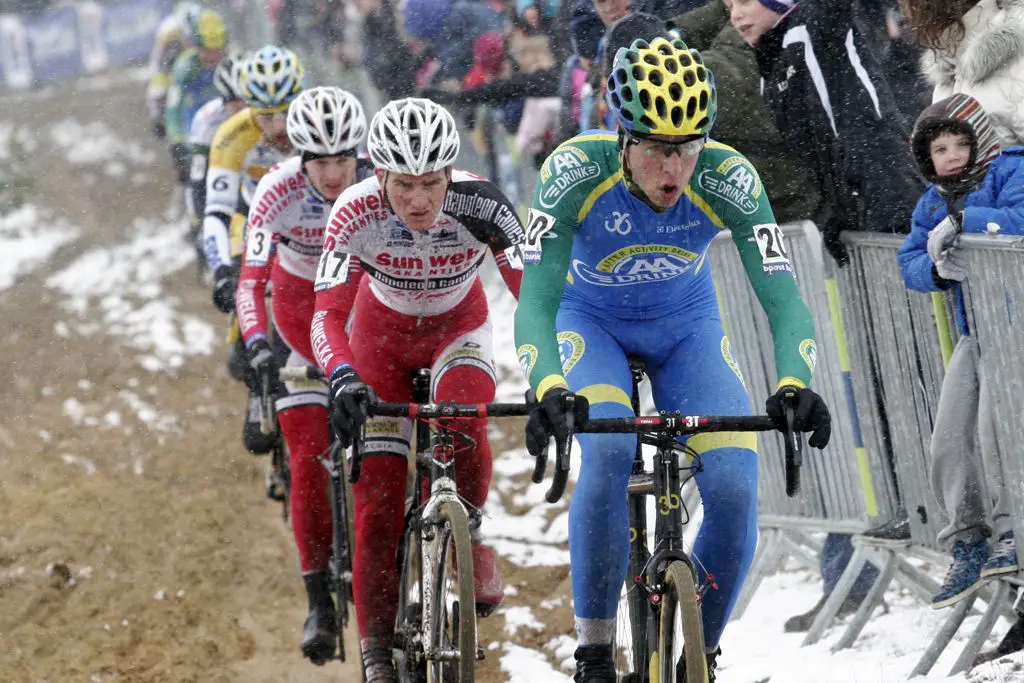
{"x": 975, "y": 189}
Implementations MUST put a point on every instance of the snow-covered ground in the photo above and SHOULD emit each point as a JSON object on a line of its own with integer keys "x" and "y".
{"x": 28, "y": 239}
{"x": 119, "y": 291}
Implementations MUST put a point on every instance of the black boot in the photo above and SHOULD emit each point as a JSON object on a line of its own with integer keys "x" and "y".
{"x": 802, "y": 622}
{"x": 378, "y": 667}
{"x": 1012, "y": 642}
{"x": 255, "y": 441}
{"x": 320, "y": 634}
{"x": 712, "y": 658}
{"x": 594, "y": 663}
{"x": 894, "y": 534}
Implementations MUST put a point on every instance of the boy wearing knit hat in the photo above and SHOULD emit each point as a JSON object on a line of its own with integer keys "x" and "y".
{"x": 976, "y": 189}
{"x": 835, "y": 111}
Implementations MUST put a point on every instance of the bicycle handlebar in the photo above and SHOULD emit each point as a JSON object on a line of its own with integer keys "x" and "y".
{"x": 298, "y": 374}
{"x": 441, "y": 411}
{"x": 680, "y": 425}
{"x": 675, "y": 425}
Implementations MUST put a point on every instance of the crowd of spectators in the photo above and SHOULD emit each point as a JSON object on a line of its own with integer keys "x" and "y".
{"x": 806, "y": 91}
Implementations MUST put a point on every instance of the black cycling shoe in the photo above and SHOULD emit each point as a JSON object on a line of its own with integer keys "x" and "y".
{"x": 712, "y": 658}
{"x": 594, "y": 664}
{"x": 320, "y": 634}
{"x": 378, "y": 666}
{"x": 255, "y": 441}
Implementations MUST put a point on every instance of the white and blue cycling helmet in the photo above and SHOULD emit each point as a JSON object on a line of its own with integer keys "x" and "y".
{"x": 273, "y": 78}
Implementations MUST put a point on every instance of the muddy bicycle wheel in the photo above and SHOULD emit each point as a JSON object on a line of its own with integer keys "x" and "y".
{"x": 454, "y": 601}
{"x": 681, "y": 629}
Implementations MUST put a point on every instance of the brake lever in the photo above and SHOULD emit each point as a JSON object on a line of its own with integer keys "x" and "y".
{"x": 563, "y": 449}
{"x": 794, "y": 446}
{"x": 266, "y": 404}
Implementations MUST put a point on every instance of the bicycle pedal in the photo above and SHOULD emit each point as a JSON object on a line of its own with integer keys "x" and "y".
{"x": 275, "y": 491}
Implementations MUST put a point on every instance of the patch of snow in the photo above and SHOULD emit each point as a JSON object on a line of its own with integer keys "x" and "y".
{"x": 529, "y": 666}
{"x": 74, "y": 410}
{"x": 76, "y": 461}
{"x": 520, "y": 617}
{"x": 124, "y": 284}
{"x": 27, "y": 240}
{"x": 95, "y": 143}
{"x": 11, "y": 136}
{"x": 147, "y": 413}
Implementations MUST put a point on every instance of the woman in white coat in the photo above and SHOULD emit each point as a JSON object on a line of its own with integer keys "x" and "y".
{"x": 975, "y": 47}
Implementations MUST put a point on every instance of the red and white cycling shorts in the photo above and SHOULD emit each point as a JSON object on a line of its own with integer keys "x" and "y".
{"x": 388, "y": 347}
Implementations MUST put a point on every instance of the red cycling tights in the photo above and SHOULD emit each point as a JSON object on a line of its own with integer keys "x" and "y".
{"x": 305, "y": 431}
{"x": 388, "y": 348}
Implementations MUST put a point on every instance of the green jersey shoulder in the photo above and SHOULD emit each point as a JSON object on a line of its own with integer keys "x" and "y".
{"x": 725, "y": 182}
{"x": 571, "y": 178}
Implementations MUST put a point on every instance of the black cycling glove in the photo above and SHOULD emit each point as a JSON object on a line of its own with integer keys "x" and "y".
{"x": 810, "y": 414}
{"x": 262, "y": 360}
{"x": 224, "y": 284}
{"x": 350, "y": 397}
{"x": 550, "y": 417}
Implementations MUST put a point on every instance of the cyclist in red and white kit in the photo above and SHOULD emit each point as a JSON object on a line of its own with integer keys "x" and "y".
{"x": 418, "y": 232}
{"x": 284, "y": 234}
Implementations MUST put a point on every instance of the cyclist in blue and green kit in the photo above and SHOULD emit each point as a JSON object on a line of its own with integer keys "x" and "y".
{"x": 616, "y": 266}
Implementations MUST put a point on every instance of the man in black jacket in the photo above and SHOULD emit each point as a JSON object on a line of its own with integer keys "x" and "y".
{"x": 834, "y": 109}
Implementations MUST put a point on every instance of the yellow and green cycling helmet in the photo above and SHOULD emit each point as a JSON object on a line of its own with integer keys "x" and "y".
{"x": 662, "y": 88}
{"x": 208, "y": 30}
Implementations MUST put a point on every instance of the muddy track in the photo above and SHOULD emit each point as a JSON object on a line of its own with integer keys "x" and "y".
{"x": 166, "y": 561}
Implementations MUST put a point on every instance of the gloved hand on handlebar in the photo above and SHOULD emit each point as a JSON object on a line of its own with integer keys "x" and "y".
{"x": 810, "y": 414}
{"x": 262, "y": 360}
{"x": 350, "y": 398}
{"x": 224, "y": 284}
{"x": 550, "y": 417}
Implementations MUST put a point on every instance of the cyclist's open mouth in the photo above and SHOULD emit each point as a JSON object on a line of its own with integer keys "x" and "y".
{"x": 668, "y": 191}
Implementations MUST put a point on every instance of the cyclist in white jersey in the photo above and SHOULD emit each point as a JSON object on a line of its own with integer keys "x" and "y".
{"x": 227, "y": 79}
{"x": 283, "y": 239}
{"x": 419, "y": 231}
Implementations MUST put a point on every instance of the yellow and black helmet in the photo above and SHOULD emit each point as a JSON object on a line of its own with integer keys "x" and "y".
{"x": 662, "y": 88}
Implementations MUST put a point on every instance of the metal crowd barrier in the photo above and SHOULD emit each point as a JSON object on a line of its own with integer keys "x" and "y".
{"x": 881, "y": 355}
{"x": 844, "y": 485}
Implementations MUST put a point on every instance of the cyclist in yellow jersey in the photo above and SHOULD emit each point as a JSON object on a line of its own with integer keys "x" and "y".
{"x": 244, "y": 149}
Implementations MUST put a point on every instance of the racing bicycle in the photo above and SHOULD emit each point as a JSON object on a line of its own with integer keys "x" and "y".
{"x": 659, "y": 632}
{"x": 436, "y": 635}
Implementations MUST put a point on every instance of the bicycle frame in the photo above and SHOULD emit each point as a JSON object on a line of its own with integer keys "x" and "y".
{"x": 434, "y": 456}
{"x": 646, "y": 570}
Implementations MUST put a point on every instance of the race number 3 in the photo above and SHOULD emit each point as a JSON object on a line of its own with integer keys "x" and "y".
{"x": 333, "y": 270}
{"x": 257, "y": 247}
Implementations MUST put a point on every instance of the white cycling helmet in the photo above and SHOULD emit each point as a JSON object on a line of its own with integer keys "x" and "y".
{"x": 326, "y": 121}
{"x": 413, "y": 136}
{"x": 273, "y": 78}
{"x": 228, "y": 76}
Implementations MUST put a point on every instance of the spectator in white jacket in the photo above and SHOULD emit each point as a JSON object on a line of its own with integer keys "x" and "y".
{"x": 975, "y": 47}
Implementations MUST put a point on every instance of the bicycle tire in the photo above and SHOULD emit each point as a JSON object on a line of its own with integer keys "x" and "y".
{"x": 460, "y": 626}
{"x": 680, "y": 598}
{"x": 341, "y": 561}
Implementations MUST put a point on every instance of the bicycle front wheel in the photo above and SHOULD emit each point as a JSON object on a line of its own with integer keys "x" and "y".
{"x": 453, "y": 609}
{"x": 681, "y": 629}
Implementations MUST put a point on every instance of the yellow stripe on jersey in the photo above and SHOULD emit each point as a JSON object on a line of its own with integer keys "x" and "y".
{"x": 705, "y": 207}
{"x": 595, "y": 194}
